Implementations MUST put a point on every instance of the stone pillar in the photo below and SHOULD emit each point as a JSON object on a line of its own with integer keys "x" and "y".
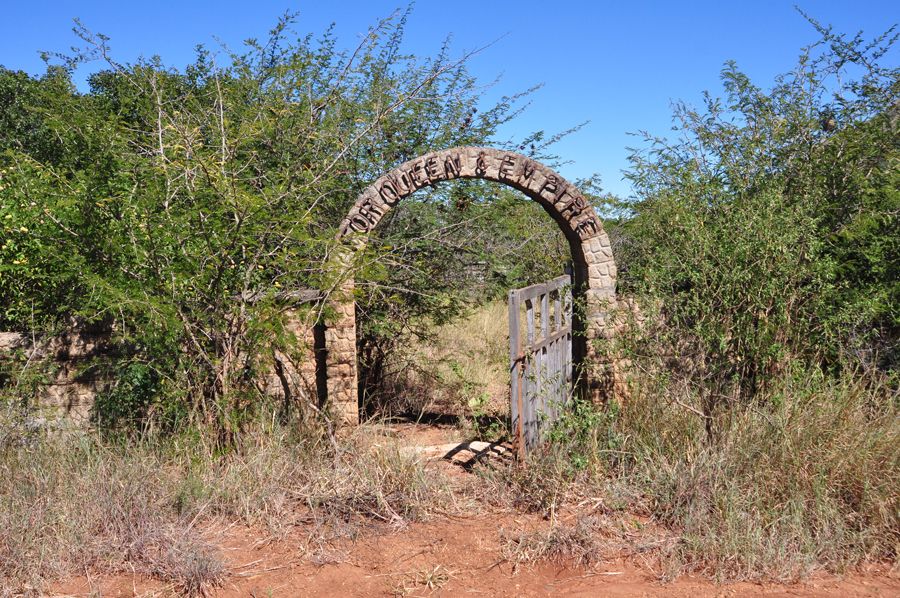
{"x": 600, "y": 300}
{"x": 340, "y": 338}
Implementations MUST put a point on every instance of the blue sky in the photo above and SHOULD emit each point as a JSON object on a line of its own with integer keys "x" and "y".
{"x": 617, "y": 64}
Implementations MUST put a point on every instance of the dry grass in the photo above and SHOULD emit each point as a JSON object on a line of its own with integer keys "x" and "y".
{"x": 423, "y": 582}
{"x": 70, "y": 504}
{"x": 807, "y": 480}
{"x": 463, "y": 371}
{"x": 576, "y": 542}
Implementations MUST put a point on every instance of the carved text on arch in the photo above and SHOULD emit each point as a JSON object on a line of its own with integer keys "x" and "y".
{"x": 503, "y": 167}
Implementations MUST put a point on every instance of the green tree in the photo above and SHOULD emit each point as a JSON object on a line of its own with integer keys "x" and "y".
{"x": 177, "y": 204}
{"x": 765, "y": 234}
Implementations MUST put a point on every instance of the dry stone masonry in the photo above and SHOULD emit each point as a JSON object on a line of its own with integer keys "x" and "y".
{"x": 66, "y": 397}
{"x": 325, "y": 365}
{"x": 72, "y": 377}
{"x": 595, "y": 269}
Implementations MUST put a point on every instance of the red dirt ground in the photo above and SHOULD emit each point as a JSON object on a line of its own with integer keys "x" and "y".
{"x": 450, "y": 557}
{"x": 447, "y": 556}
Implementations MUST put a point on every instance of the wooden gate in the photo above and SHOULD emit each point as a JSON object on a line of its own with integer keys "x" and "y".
{"x": 540, "y": 352}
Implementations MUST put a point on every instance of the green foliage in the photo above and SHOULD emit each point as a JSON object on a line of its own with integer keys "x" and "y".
{"x": 766, "y": 232}
{"x": 578, "y": 434}
{"x": 476, "y": 403}
{"x": 177, "y": 203}
{"x": 127, "y": 402}
{"x": 760, "y": 359}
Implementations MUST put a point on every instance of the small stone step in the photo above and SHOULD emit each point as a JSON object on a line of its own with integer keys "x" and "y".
{"x": 466, "y": 454}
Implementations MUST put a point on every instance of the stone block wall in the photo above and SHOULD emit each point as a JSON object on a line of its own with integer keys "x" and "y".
{"x": 319, "y": 373}
{"x": 70, "y": 382}
{"x": 293, "y": 378}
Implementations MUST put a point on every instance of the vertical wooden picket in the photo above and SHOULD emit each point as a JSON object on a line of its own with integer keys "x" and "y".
{"x": 541, "y": 366}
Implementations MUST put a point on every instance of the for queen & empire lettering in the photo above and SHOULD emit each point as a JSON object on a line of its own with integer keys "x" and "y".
{"x": 563, "y": 199}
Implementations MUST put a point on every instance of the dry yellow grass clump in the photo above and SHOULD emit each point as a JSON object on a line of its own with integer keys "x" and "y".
{"x": 76, "y": 503}
{"x": 460, "y": 369}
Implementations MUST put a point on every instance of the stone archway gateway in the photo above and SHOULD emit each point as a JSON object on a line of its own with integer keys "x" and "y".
{"x": 594, "y": 268}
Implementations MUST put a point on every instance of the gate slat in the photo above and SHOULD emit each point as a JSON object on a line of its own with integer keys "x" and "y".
{"x": 558, "y": 346}
{"x": 528, "y": 403}
{"x": 541, "y": 362}
{"x": 515, "y": 370}
{"x": 545, "y": 358}
{"x": 570, "y": 382}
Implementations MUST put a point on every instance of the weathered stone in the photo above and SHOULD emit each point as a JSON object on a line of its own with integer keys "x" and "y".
{"x": 595, "y": 268}
{"x": 72, "y": 386}
{"x": 292, "y": 378}
{"x": 11, "y": 341}
{"x": 598, "y": 271}
{"x": 68, "y": 397}
{"x": 341, "y": 352}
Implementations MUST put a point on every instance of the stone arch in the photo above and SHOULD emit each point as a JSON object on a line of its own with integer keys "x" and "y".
{"x": 594, "y": 267}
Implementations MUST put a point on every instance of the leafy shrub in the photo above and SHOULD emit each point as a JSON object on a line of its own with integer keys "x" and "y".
{"x": 178, "y": 203}
{"x": 766, "y": 232}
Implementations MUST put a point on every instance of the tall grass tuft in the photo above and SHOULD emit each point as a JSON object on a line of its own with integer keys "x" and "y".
{"x": 76, "y": 503}
{"x": 806, "y": 478}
